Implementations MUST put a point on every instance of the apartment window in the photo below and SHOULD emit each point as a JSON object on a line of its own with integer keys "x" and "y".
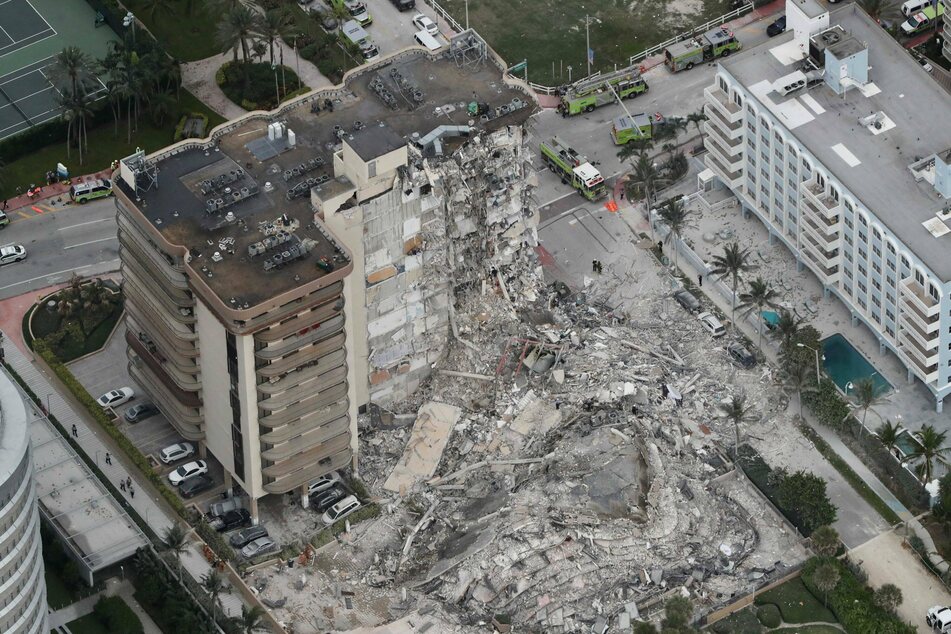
{"x": 877, "y": 284}
{"x": 848, "y": 274}
{"x": 371, "y": 169}
{"x": 751, "y": 141}
{"x": 890, "y": 247}
{"x": 835, "y": 194}
{"x": 848, "y": 254}
{"x": 763, "y": 155}
{"x": 863, "y": 303}
{"x": 863, "y": 221}
{"x": 848, "y": 241}
{"x": 765, "y": 174}
{"x": 863, "y": 287}
{"x": 934, "y": 292}
{"x": 820, "y": 179}
{"x": 890, "y": 331}
{"x": 876, "y": 268}
{"x": 919, "y": 277}
{"x": 891, "y": 264}
{"x": 751, "y": 124}
{"x": 863, "y": 238}
{"x": 722, "y": 83}
{"x": 862, "y": 271}
{"x": 237, "y": 440}
{"x": 890, "y": 314}
{"x": 848, "y": 222}
{"x": 737, "y": 99}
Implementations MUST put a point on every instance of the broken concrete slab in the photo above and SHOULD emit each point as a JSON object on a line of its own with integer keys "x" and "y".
{"x": 423, "y": 452}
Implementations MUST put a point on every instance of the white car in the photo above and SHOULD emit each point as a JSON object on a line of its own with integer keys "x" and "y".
{"x": 937, "y": 614}
{"x": 323, "y": 483}
{"x": 341, "y": 509}
{"x": 424, "y": 23}
{"x": 259, "y": 546}
{"x": 711, "y": 324}
{"x": 176, "y": 452}
{"x": 187, "y": 471}
{"x": 12, "y": 253}
{"x": 926, "y": 65}
{"x": 115, "y": 398}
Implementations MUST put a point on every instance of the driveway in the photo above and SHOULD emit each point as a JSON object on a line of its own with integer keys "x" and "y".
{"x": 886, "y": 560}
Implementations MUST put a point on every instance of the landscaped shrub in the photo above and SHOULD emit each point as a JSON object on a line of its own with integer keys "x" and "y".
{"x": 116, "y": 615}
{"x": 769, "y": 615}
{"x": 255, "y": 86}
{"x": 852, "y": 603}
{"x": 327, "y": 535}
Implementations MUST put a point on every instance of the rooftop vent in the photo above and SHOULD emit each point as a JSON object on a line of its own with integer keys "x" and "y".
{"x": 877, "y": 122}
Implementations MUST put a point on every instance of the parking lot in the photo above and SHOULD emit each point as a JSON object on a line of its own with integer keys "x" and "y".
{"x": 107, "y": 370}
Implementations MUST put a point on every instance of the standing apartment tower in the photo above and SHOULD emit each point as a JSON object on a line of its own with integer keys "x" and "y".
{"x": 831, "y": 136}
{"x": 250, "y": 324}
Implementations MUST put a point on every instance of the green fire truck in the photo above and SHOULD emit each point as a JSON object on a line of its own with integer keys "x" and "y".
{"x": 587, "y": 94}
{"x": 573, "y": 168}
{"x": 636, "y": 126}
{"x": 712, "y": 44}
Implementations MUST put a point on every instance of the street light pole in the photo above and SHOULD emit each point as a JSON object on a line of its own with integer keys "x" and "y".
{"x": 802, "y": 345}
{"x": 587, "y": 46}
{"x": 467, "y": 15}
{"x": 129, "y": 21}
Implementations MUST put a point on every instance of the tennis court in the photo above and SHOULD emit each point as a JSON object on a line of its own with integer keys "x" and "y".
{"x": 31, "y": 33}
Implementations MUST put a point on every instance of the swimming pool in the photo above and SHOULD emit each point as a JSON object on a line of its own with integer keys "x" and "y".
{"x": 906, "y": 443}
{"x": 844, "y": 364}
{"x": 771, "y": 318}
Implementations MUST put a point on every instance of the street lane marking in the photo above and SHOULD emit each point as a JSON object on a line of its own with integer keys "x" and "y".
{"x": 36, "y": 209}
{"x": 82, "y": 244}
{"x": 23, "y": 214}
{"x": 83, "y": 224}
{"x": 47, "y": 275}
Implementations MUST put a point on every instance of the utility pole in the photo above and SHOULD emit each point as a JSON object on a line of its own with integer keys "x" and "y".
{"x": 467, "y": 15}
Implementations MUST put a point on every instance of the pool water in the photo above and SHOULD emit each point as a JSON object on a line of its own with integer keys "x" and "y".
{"x": 906, "y": 444}
{"x": 844, "y": 364}
{"x": 770, "y": 317}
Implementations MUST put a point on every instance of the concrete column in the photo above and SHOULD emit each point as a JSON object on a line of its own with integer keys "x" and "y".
{"x": 799, "y": 265}
{"x": 229, "y": 483}
{"x": 202, "y": 450}
{"x": 909, "y": 375}
{"x": 254, "y": 512}
{"x": 772, "y": 238}
{"x": 855, "y": 320}
{"x": 881, "y": 347}
{"x": 304, "y": 498}
{"x": 939, "y": 404}
{"x": 826, "y": 291}
{"x": 746, "y": 213}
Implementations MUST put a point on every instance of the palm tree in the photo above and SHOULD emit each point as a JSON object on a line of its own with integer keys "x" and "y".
{"x": 151, "y": 6}
{"x": 214, "y": 585}
{"x": 888, "y": 434}
{"x": 732, "y": 263}
{"x": 74, "y": 65}
{"x": 929, "y": 449}
{"x": 175, "y": 541}
{"x": 697, "y": 118}
{"x": 799, "y": 378}
{"x": 675, "y": 215}
{"x": 77, "y": 107}
{"x": 737, "y": 411}
{"x": 759, "y": 297}
{"x": 826, "y": 578}
{"x": 785, "y": 328}
{"x": 274, "y": 26}
{"x": 880, "y": 10}
{"x": 825, "y": 540}
{"x": 238, "y": 27}
{"x": 251, "y": 619}
{"x": 865, "y": 396}
{"x": 646, "y": 179}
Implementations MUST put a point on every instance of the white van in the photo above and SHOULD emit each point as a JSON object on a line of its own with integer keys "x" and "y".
{"x": 911, "y": 7}
{"x": 353, "y": 32}
{"x": 427, "y": 40}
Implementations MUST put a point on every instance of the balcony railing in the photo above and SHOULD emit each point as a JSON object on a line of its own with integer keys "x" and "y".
{"x": 819, "y": 230}
{"x": 911, "y": 325}
{"x": 731, "y": 178}
{"x": 722, "y": 102}
{"x": 927, "y": 305}
{"x": 730, "y": 129}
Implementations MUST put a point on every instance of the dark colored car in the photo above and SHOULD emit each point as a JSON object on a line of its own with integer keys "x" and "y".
{"x": 328, "y": 498}
{"x": 247, "y": 535}
{"x": 777, "y": 27}
{"x": 140, "y": 412}
{"x": 231, "y": 520}
{"x": 404, "y": 5}
{"x": 741, "y": 356}
{"x": 687, "y": 300}
{"x": 190, "y": 487}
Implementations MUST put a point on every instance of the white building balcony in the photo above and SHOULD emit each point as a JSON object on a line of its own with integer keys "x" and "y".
{"x": 824, "y": 264}
{"x": 823, "y": 202}
{"x": 725, "y": 145}
{"x": 729, "y": 129}
{"x": 819, "y": 231}
{"x": 912, "y": 326}
{"x": 721, "y": 101}
{"x": 732, "y": 178}
{"x": 924, "y": 366}
{"x": 920, "y": 301}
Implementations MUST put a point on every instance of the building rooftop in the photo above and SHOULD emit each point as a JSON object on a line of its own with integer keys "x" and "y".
{"x": 869, "y": 136}
{"x": 220, "y": 199}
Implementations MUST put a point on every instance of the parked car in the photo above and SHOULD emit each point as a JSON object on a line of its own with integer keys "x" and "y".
{"x": 197, "y": 467}
{"x": 258, "y": 547}
{"x": 140, "y": 412}
{"x": 176, "y": 452}
{"x": 238, "y": 518}
{"x": 404, "y": 5}
{"x": 923, "y": 61}
{"x": 90, "y": 190}
{"x": 328, "y": 498}
{"x": 777, "y": 27}
{"x": 115, "y": 398}
{"x": 425, "y": 23}
{"x": 217, "y": 509}
{"x": 247, "y": 535}
{"x": 741, "y": 356}
{"x": 711, "y": 324}
{"x": 4, "y": 220}
{"x": 341, "y": 509}
{"x": 938, "y": 616}
{"x": 323, "y": 483}
{"x": 193, "y": 485}
{"x": 12, "y": 253}
{"x": 687, "y": 300}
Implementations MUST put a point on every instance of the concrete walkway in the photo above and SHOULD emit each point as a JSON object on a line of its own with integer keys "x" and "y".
{"x": 95, "y": 443}
{"x": 114, "y": 587}
{"x": 199, "y": 78}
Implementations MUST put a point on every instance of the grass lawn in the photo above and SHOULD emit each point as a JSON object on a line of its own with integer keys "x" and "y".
{"x": 940, "y": 535}
{"x": 186, "y": 36}
{"x": 104, "y": 147}
{"x": 88, "y": 624}
{"x": 796, "y": 603}
{"x": 261, "y": 91}
{"x": 742, "y": 622}
{"x": 808, "y": 629}
{"x": 45, "y": 322}
{"x": 552, "y": 32}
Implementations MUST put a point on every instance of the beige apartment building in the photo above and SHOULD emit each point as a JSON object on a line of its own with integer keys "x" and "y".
{"x": 259, "y": 264}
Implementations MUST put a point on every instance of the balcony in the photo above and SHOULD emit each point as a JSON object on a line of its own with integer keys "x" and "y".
{"x": 827, "y": 254}
{"x": 732, "y": 162}
{"x": 926, "y": 305}
{"x": 185, "y": 391}
{"x": 306, "y": 440}
{"x": 912, "y": 327}
{"x": 730, "y": 178}
{"x": 821, "y": 203}
{"x": 728, "y": 146}
{"x": 819, "y": 231}
{"x": 724, "y": 127}
{"x": 183, "y": 371}
{"x": 307, "y": 458}
{"x": 294, "y": 343}
{"x": 187, "y": 420}
{"x": 296, "y": 377}
{"x": 314, "y": 386}
{"x": 827, "y": 273}
{"x": 305, "y": 470}
{"x": 301, "y": 358}
{"x": 722, "y": 102}
{"x": 290, "y": 309}
{"x": 306, "y": 425}
{"x": 304, "y": 320}
{"x": 914, "y": 360}
{"x": 336, "y": 395}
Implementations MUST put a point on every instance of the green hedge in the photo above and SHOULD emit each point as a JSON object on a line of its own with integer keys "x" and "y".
{"x": 180, "y": 128}
{"x": 330, "y": 533}
{"x": 260, "y": 90}
{"x": 116, "y": 615}
{"x": 213, "y": 538}
{"x": 768, "y": 615}
{"x": 53, "y": 131}
{"x": 851, "y": 602}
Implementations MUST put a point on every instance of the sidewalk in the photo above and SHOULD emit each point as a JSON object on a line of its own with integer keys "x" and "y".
{"x": 638, "y": 223}
{"x": 93, "y": 443}
{"x": 51, "y": 191}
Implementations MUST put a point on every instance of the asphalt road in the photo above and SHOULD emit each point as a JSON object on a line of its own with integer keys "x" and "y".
{"x": 69, "y": 239}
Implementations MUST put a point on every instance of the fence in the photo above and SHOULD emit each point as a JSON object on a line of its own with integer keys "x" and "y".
{"x": 743, "y": 602}
{"x": 442, "y": 13}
